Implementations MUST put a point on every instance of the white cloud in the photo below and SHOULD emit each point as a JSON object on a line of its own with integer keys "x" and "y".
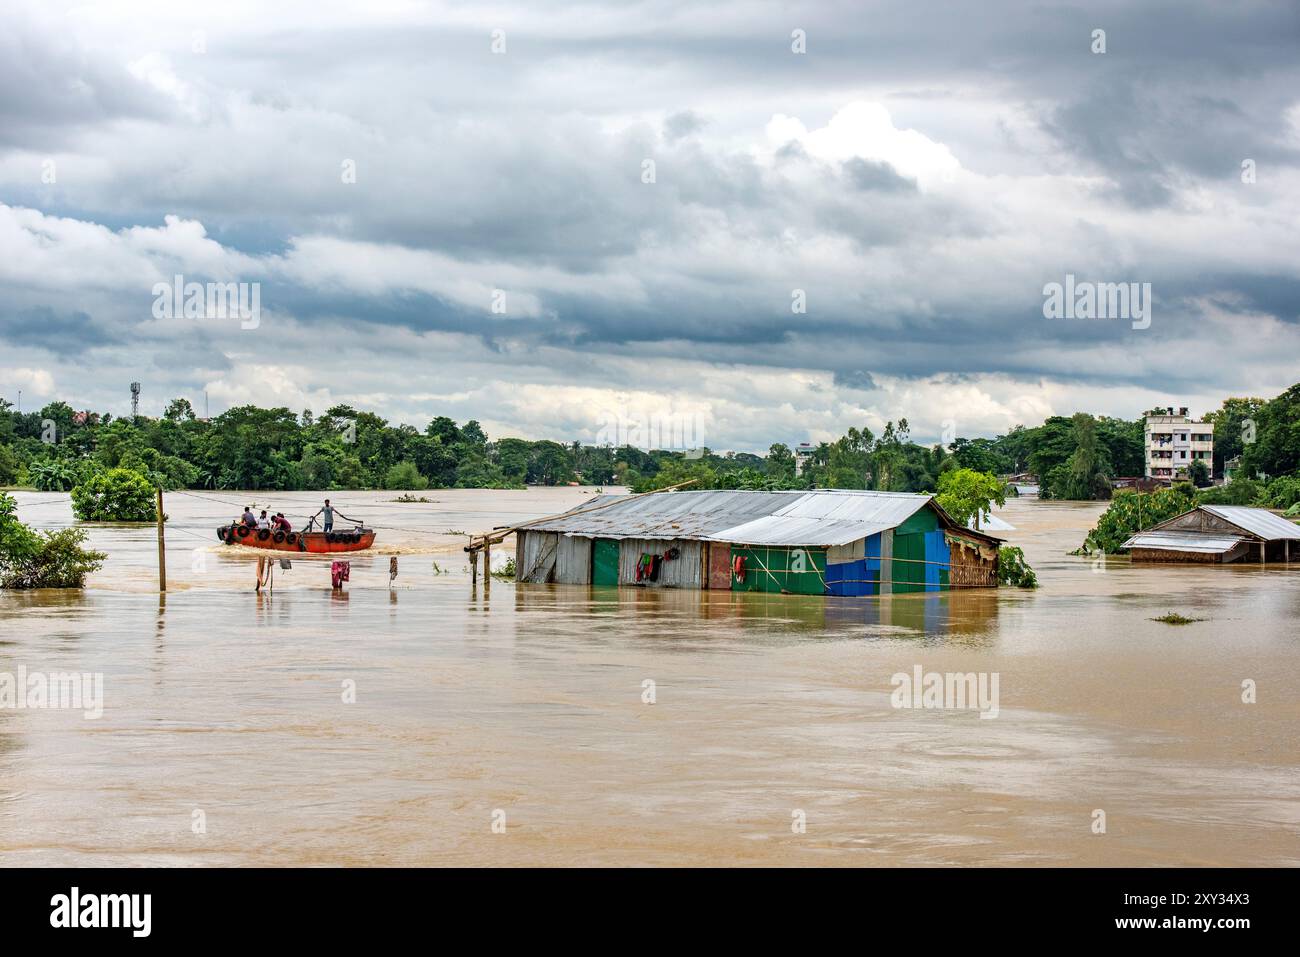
{"x": 866, "y": 130}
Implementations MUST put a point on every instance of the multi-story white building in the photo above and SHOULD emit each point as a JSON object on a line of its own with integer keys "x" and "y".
{"x": 1174, "y": 442}
{"x": 802, "y": 453}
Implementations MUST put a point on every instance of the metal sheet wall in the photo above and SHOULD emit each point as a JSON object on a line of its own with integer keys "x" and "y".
{"x": 799, "y": 571}
{"x": 573, "y": 560}
{"x": 535, "y": 556}
{"x": 682, "y": 572}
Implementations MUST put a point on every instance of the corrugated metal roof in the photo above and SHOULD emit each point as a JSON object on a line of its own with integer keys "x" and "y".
{"x": 1185, "y": 541}
{"x": 665, "y": 515}
{"x": 991, "y": 523}
{"x": 1257, "y": 521}
{"x": 821, "y": 517}
{"x": 827, "y": 518}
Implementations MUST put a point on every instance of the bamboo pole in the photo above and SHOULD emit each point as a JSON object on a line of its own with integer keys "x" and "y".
{"x": 487, "y": 568}
{"x": 162, "y": 548}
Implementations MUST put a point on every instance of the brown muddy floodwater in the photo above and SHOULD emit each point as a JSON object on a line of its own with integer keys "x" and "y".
{"x": 529, "y": 701}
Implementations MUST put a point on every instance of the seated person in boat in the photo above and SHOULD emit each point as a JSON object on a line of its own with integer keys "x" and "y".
{"x": 249, "y": 518}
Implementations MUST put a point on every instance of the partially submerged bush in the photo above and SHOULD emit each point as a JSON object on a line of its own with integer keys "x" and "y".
{"x": 31, "y": 559}
{"x": 1173, "y": 618}
{"x": 52, "y": 475}
{"x": 1013, "y": 570}
{"x": 1129, "y": 512}
{"x": 1241, "y": 491}
{"x": 118, "y": 495}
{"x": 405, "y": 475}
{"x": 1284, "y": 492}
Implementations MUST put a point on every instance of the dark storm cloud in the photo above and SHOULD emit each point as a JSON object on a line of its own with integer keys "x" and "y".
{"x": 855, "y": 379}
{"x": 864, "y": 174}
{"x": 527, "y": 171}
{"x": 680, "y": 125}
{"x": 56, "y": 331}
{"x": 49, "y": 88}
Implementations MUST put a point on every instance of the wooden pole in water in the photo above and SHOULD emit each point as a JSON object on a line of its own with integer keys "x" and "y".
{"x": 487, "y": 567}
{"x": 473, "y": 566}
{"x": 162, "y": 549}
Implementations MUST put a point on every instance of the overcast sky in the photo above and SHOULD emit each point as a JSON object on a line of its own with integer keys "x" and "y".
{"x": 921, "y": 172}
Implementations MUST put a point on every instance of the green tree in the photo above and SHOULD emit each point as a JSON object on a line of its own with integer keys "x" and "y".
{"x": 30, "y": 559}
{"x": 1276, "y": 449}
{"x": 1242, "y": 491}
{"x": 52, "y": 475}
{"x": 677, "y": 471}
{"x": 61, "y": 414}
{"x": 405, "y": 475}
{"x": 1124, "y": 443}
{"x": 179, "y": 410}
{"x": 117, "y": 495}
{"x": 1234, "y": 422}
{"x": 9, "y": 465}
{"x": 1086, "y": 471}
{"x": 980, "y": 455}
{"x": 1050, "y": 446}
{"x": 1013, "y": 570}
{"x": 966, "y": 494}
{"x": 549, "y": 464}
{"x": 1130, "y": 512}
{"x": 780, "y": 462}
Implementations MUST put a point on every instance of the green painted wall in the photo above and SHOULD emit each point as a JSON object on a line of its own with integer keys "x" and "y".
{"x": 604, "y": 561}
{"x": 909, "y": 563}
{"x": 800, "y": 571}
{"x": 923, "y": 520}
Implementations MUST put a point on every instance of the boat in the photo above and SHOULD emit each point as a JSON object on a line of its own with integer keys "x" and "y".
{"x": 314, "y": 543}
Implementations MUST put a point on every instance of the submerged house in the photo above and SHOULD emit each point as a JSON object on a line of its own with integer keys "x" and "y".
{"x": 827, "y": 542}
{"x": 1218, "y": 534}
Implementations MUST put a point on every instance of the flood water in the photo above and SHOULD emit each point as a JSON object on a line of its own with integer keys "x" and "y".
{"x": 224, "y": 710}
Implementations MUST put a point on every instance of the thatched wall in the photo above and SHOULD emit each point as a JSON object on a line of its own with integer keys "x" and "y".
{"x": 973, "y": 564}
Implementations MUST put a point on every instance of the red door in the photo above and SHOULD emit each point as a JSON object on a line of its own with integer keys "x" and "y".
{"x": 720, "y": 565}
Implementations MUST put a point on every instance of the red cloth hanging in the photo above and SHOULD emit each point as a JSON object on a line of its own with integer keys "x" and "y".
{"x": 339, "y": 573}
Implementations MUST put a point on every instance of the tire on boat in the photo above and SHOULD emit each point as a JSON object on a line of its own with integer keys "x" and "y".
{"x": 263, "y": 534}
{"x": 356, "y": 538}
{"x": 292, "y": 538}
{"x": 243, "y": 531}
{"x": 221, "y": 534}
{"x": 279, "y": 537}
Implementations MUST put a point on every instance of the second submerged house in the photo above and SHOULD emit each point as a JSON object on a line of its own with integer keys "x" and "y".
{"x": 825, "y": 542}
{"x": 1218, "y": 534}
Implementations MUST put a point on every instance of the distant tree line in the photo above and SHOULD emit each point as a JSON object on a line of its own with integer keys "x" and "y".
{"x": 247, "y": 447}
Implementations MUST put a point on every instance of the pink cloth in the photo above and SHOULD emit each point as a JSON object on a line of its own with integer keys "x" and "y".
{"x": 339, "y": 573}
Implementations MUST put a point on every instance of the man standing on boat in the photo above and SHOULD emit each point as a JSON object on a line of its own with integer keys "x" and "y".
{"x": 327, "y": 516}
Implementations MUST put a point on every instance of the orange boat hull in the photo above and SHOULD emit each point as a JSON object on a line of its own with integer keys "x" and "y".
{"x": 312, "y": 543}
